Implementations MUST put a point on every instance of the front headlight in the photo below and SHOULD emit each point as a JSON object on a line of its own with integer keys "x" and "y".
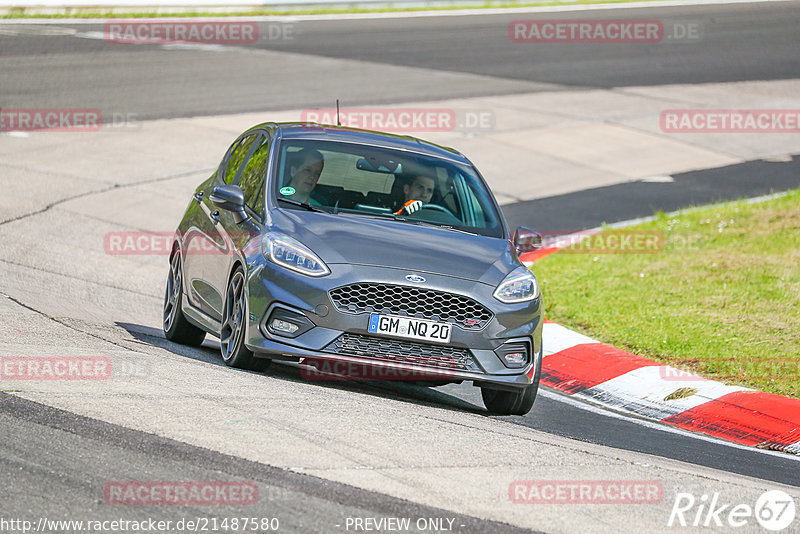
{"x": 519, "y": 286}
{"x": 292, "y": 254}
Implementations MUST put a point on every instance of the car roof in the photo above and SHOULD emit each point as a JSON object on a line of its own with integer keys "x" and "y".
{"x": 344, "y": 134}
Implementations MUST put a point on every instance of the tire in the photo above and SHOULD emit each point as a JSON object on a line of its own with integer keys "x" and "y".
{"x": 510, "y": 402}
{"x": 231, "y": 339}
{"x": 176, "y": 327}
{"x": 518, "y": 402}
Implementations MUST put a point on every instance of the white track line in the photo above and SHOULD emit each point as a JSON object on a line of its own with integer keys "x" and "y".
{"x": 558, "y": 338}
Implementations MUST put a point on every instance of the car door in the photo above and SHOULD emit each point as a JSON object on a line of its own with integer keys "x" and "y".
{"x": 197, "y": 240}
{"x": 228, "y": 234}
{"x": 204, "y": 246}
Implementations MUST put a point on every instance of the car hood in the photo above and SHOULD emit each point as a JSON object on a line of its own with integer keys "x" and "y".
{"x": 353, "y": 239}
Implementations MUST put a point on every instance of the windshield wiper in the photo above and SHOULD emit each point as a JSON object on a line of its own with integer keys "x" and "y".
{"x": 305, "y": 205}
{"x": 420, "y": 222}
{"x": 454, "y": 229}
{"x": 374, "y": 215}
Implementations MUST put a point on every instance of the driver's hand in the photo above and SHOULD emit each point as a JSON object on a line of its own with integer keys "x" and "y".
{"x": 410, "y": 207}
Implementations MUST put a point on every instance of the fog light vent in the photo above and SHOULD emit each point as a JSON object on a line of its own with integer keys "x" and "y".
{"x": 287, "y": 323}
{"x": 514, "y": 355}
{"x": 285, "y": 327}
{"x": 515, "y": 359}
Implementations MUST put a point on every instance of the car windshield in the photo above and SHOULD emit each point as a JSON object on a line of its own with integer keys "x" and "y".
{"x": 362, "y": 180}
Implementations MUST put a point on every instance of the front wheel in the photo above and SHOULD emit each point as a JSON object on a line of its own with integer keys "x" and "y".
{"x": 517, "y": 402}
{"x": 234, "y": 315}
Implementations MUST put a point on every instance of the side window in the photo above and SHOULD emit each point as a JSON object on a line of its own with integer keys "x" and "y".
{"x": 238, "y": 157}
{"x": 252, "y": 174}
{"x": 221, "y": 169}
{"x": 259, "y": 201}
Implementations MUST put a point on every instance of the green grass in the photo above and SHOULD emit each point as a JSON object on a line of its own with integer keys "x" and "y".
{"x": 20, "y": 13}
{"x": 721, "y": 299}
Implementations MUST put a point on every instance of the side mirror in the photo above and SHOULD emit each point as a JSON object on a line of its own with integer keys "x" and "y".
{"x": 526, "y": 240}
{"x": 230, "y": 198}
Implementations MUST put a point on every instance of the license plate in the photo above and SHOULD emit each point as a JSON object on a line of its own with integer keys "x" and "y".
{"x": 410, "y": 328}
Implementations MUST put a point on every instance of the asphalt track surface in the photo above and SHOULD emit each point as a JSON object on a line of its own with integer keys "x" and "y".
{"x": 739, "y": 42}
{"x": 389, "y": 61}
{"x": 301, "y": 503}
{"x": 49, "y": 448}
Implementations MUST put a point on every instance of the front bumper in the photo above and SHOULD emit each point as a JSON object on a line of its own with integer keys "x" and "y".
{"x": 335, "y": 333}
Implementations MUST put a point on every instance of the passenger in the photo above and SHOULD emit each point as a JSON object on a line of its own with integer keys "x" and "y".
{"x": 304, "y": 174}
{"x": 417, "y": 193}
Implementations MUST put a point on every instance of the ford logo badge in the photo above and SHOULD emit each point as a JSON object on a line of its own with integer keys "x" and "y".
{"x": 414, "y": 278}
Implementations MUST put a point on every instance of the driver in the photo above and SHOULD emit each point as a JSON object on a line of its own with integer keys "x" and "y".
{"x": 305, "y": 174}
{"x": 418, "y": 193}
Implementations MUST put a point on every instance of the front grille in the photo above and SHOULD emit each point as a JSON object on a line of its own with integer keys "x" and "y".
{"x": 394, "y": 350}
{"x": 411, "y": 302}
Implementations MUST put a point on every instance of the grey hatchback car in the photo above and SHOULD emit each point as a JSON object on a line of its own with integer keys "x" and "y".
{"x": 328, "y": 245}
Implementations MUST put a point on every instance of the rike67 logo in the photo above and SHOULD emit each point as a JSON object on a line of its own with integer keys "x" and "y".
{"x": 774, "y": 510}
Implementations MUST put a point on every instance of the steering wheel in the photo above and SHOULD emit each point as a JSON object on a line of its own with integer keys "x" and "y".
{"x": 437, "y": 207}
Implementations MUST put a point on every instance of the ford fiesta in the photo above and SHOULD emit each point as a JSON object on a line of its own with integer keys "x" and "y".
{"x": 320, "y": 244}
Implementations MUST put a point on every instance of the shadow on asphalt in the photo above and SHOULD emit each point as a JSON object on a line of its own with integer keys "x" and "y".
{"x": 590, "y": 208}
{"x": 394, "y": 389}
